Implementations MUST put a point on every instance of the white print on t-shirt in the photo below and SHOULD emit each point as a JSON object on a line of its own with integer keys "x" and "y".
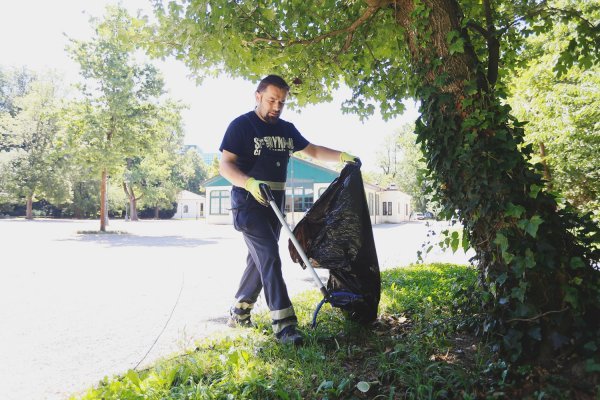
{"x": 274, "y": 143}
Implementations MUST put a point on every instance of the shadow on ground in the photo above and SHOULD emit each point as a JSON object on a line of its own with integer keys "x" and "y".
{"x": 124, "y": 240}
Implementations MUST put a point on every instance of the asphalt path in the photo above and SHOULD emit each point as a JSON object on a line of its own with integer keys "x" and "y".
{"x": 76, "y": 307}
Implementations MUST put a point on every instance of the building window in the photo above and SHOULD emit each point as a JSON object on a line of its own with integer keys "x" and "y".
{"x": 371, "y": 211}
{"x": 185, "y": 209}
{"x": 387, "y": 208}
{"x": 220, "y": 202}
{"x": 406, "y": 209}
{"x": 302, "y": 199}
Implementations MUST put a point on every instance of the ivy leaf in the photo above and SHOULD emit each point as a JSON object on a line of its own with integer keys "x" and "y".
{"x": 514, "y": 210}
{"x": 534, "y": 191}
{"x": 576, "y": 263}
{"x": 531, "y": 226}
{"x": 457, "y": 47}
{"x": 501, "y": 241}
{"x": 501, "y": 278}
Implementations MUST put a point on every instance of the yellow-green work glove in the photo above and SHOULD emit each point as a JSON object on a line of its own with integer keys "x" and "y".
{"x": 348, "y": 158}
{"x": 253, "y": 186}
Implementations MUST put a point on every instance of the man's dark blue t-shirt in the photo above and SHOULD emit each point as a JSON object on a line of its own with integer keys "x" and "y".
{"x": 263, "y": 149}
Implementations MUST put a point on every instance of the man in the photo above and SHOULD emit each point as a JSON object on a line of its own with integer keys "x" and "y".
{"x": 256, "y": 149}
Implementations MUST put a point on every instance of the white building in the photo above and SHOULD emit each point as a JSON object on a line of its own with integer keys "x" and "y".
{"x": 189, "y": 205}
{"x": 306, "y": 182}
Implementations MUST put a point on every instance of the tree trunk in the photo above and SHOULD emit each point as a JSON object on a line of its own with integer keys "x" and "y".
{"x": 29, "y": 207}
{"x": 156, "y": 212}
{"x": 547, "y": 175}
{"x": 103, "y": 201}
{"x": 525, "y": 251}
{"x": 133, "y": 215}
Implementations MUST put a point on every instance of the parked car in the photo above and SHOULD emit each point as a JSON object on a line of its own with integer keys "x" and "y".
{"x": 424, "y": 215}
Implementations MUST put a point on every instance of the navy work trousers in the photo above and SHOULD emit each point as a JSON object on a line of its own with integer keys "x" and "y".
{"x": 261, "y": 230}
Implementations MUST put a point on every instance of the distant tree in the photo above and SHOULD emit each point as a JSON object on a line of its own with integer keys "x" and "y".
{"x": 14, "y": 83}
{"x": 563, "y": 115}
{"x": 401, "y": 162}
{"x": 34, "y": 168}
{"x": 151, "y": 176}
{"x": 213, "y": 170}
{"x": 388, "y": 156}
{"x": 192, "y": 171}
{"x": 116, "y": 121}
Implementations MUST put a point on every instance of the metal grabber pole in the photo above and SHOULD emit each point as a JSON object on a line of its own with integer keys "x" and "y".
{"x": 266, "y": 190}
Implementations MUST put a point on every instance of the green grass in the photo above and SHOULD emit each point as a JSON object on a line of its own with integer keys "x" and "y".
{"x": 417, "y": 349}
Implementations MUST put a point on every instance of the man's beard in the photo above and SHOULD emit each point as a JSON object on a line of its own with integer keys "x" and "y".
{"x": 269, "y": 119}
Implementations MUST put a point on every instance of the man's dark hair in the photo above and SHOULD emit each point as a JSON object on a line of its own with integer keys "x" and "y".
{"x": 274, "y": 80}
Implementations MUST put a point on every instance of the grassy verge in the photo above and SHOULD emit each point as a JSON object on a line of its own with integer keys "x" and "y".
{"x": 418, "y": 349}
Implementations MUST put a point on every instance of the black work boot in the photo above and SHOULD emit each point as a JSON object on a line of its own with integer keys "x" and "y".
{"x": 290, "y": 335}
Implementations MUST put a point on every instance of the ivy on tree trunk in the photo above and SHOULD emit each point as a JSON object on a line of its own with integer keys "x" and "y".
{"x": 536, "y": 261}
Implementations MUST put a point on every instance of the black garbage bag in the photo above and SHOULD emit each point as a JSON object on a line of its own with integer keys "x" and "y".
{"x": 336, "y": 234}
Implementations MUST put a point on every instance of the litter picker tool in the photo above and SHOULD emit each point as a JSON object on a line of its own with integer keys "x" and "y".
{"x": 341, "y": 299}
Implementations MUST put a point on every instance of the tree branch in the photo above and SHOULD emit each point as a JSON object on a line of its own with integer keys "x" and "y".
{"x": 493, "y": 45}
{"x": 477, "y": 28}
{"x": 574, "y": 14}
{"x": 537, "y": 316}
{"x": 350, "y": 29}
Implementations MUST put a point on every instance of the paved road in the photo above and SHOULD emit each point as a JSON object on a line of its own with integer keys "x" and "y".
{"x": 77, "y": 307}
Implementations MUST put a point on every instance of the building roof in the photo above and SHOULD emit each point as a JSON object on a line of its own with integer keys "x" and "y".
{"x": 298, "y": 171}
{"x": 187, "y": 195}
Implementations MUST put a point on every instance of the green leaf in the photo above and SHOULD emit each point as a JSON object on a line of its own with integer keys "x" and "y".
{"x": 501, "y": 241}
{"x": 363, "y": 386}
{"x": 533, "y": 225}
{"x": 576, "y": 263}
{"x": 592, "y": 366}
{"x": 465, "y": 242}
{"x": 325, "y": 385}
{"x": 134, "y": 378}
{"x": 534, "y": 191}
{"x": 457, "y": 47}
{"x": 590, "y": 346}
{"x": 501, "y": 278}
{"x": 514, "y": 210}
{"x": 454, "y": 242}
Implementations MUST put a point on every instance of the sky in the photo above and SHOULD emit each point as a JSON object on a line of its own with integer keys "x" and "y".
{"x": 34, "y": 34}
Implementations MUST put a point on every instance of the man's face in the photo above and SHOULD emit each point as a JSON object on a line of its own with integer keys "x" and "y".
{"x": 269, "y": 103}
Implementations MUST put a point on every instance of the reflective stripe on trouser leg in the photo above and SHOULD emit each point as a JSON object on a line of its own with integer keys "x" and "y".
{"x": 282, "y": 318}
{"x": 242, "y": 309}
